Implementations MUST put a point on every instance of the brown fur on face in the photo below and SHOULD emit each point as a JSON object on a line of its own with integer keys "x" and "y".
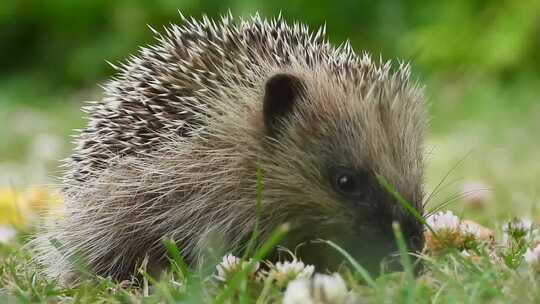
{"x": 172, "y": 149}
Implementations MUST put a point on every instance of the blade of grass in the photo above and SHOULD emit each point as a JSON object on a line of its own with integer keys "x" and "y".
{"x": 159, "y": 286}
{"x": 177, "y": 262}
{"x": 405, "y": 257}
{"x": 265, "y": 290}
{"x": 403, "y": 202}
{"x": 404, "y": 252}
{"x": 467, "y": 263}
{"x": 359, "y": 269}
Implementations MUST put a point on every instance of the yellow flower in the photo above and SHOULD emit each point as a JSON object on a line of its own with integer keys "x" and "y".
{"x": 40, "y": 199}
{"x": 18, "y": 209}
{"x": 11, "y": 210}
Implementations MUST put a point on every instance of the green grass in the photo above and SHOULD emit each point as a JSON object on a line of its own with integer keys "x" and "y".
{"x": 449, "y": 278}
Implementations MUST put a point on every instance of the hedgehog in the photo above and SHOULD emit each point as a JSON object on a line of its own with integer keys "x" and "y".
{"x": 174, "y": 147}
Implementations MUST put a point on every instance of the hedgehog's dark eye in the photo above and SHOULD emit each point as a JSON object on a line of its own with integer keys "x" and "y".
{"x": 348, "y": 182}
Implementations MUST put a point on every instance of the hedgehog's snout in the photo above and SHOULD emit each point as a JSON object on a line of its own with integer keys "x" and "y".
{"x": 377, "y": 248}
{"x": 383, "y": 239}
{"x": 370, "y": 243}
{"x": 413, "y": 233}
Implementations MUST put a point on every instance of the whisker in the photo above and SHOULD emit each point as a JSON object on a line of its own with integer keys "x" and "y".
{"x": 453, "y": 199}
{"x": 447, "y": 175}
{"x": 435, "y": 194}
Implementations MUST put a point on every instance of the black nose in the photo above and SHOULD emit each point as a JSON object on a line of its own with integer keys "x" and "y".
{"x": 415, "y": 243}
{"x": 413, "y": 232}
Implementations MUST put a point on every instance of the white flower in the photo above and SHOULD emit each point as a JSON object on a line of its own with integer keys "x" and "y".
{"x": 284, "y": 272}
{"x": 298, "y": 292}
{"x": 6, "y": 234}
{"x": 517, "y": 229}
{"x": 321, "y": 288}
{"x": 523, "y": 225}
{"x": 532, "y": 257}
{"x": 329, "y": 288}
{"x": 295, "y": 268}
{"x": 444, "y": 221}
{"x": 229, "y": 265}
{"x": 468, "y": 229}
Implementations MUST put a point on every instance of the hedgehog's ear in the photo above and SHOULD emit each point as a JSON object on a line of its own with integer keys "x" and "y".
{"x": 281, "y": 92}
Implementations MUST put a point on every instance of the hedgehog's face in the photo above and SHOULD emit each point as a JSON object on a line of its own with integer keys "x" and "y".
{"x": 329, "y": 145}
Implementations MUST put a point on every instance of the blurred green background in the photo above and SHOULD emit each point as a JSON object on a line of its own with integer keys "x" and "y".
{"x": 479, "y": 59}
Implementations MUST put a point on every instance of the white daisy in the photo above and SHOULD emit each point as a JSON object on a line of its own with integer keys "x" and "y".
{"x": 523, "y": 226}
{"x": 284, "y": 272}
{"x": 470, "y": 230}
{"x": 329, "y": 288}
{"x": 298, "y": 292}
{"x": 320, "y": 289}
{"x": 444, "y": 221}
{"x": 517, "y": 229}
{"x": 296, "y": 268}
{"x": 230, "y": 264}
